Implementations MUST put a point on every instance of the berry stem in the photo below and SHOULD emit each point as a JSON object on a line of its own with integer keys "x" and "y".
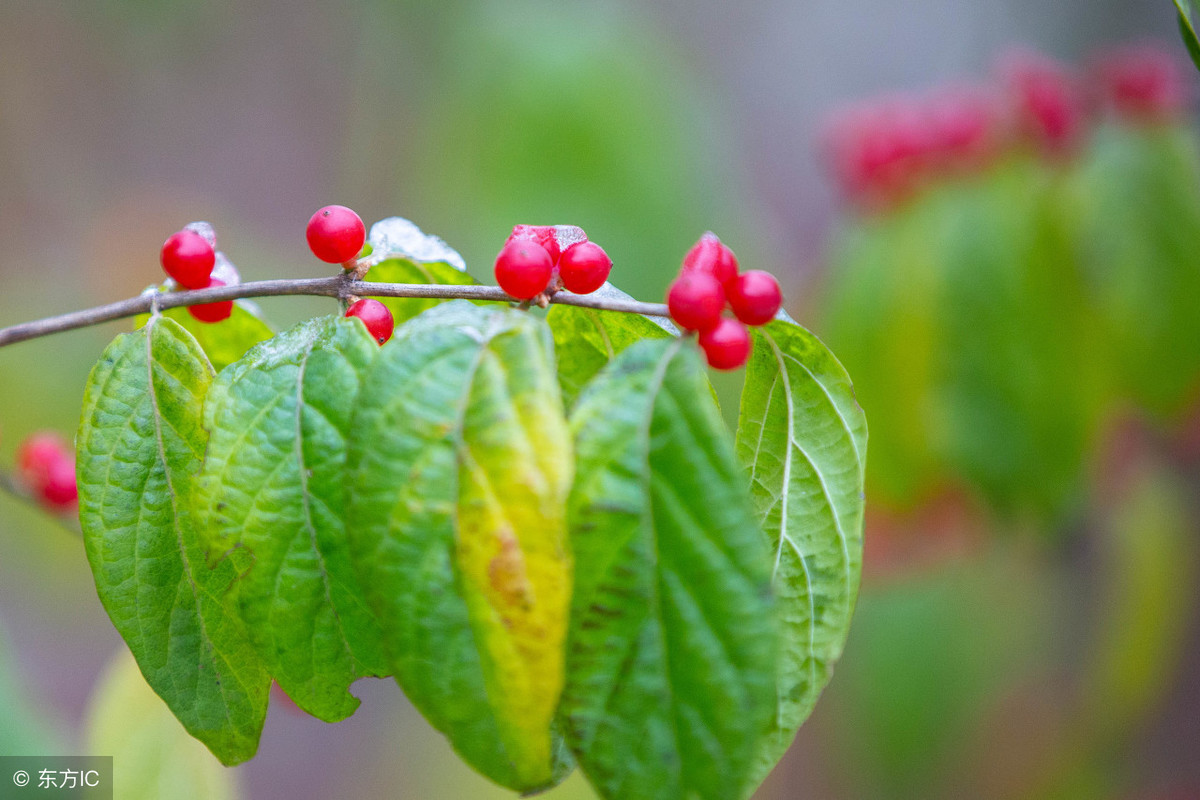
{"x": 339, "y": 286}
{"x": 12, "y": 488}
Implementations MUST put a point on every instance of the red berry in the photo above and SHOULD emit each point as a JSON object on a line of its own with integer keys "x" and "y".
{"x": 523, "y": 268}
{"x": 212, "y": 312}
{"x": 711, "y": 256}
{"x": 584, "y": 267}
{"x": 755, "y": 297}
{"x": 336, "y": 234}
{"x": 696, "y": 300}
{"x": 542, "y": 234}
{"x": 1047, "y": 100}
{"x": 375, "y": 316}
{"x": 46, "y": 464}
{"x": 1143, "y": 84}
{"x": 188, "y": 258}
{"x": 727, "y": 345}
{"x": 60, "y": 490}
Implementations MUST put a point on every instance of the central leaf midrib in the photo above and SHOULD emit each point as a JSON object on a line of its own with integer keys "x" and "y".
{"x": 655, "y": 386}
{"x": 482, "y": 345}
{"x": 307, "y": 508}
{"x": 156, "y": 413}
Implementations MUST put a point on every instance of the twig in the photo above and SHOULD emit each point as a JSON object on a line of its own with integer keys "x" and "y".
{"x": 339, "y": 286}
{"x": 11, "y": 487}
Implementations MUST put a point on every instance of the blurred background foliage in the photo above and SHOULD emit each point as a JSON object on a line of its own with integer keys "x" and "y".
{"x": 1021, "y": 318}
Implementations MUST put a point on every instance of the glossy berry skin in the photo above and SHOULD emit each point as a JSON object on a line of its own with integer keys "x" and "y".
{"x": 584, "y": 267}
{"x": 755, "y": 297}
{"x": 188, "y": 259}
{"x": 523, "y": 268}
{"x": 336, "y": 234}
{"x": 712, "y": 256}
{"x": 212, "y": 312}
{"x": 375, "y": 316}
{"x": 696, "y": 300}
{"x": 542, "y": 234}
{"x": 46, "y": 465}
{"x": 727, "y": 345}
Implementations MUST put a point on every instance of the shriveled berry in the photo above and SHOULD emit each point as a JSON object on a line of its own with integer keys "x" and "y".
{"x": 46, "y": 465}
{"x": 336, "y": 234}
{"x": 584, "y": 267}
{"x": 727, "y": 345}
{"x": 696, "y": 300}
{"x": 212, "y": 312}
{"x": 188, "y": 258}
{"x": 375, "y": 316}
{"x": 544, "y": 235}
{"x": 712, "y": 256}
{"x": 523, "y": 268}
{"x": 755, "y": 297}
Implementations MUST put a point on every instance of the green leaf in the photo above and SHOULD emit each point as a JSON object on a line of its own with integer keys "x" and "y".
{"x": 153, "y": 759}
{"x": 804, "y": 440}
{"x": 401, "y": 253}
{"x": 139, "y": 444}
{"x": 461, "y": 462}
{"x": 1187, "y": 29}
{"x": 272, "y": 483}
{"x": 585, "y": 340}
{"x": 672, "y": 644}
{"x": 226, "y": 341}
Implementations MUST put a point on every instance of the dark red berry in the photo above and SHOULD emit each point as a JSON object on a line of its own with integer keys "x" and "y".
{"x": 727, "y": 345}
{"x": 696, "y": 300}
{"x": 523, "y": 268}
{"x": 336, "y": 234}
{"x": 711, "y": 256}
{"x": 544, "y": 235}
{"x": 755, "y": 297}
{"x": 584, "y": 267}
{"x": 46, "y": 465}
{"x": 212, "y": 312}
{"x": 188, "y": 258}
{"x": 375, "y": 316}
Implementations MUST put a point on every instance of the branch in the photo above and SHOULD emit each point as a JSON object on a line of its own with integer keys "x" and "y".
{"x": 339, "y": 286}
{"x": 12, "y": 488}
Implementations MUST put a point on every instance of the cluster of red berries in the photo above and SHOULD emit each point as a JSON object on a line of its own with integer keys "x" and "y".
{"x": 336, "y": 235}
{"x": 188, "y": 257}
{"x": 881, "y": 151}
{"x": 547, "y": 258}
{"x": 708, "y": 282}
{"x": 46, "y": 468}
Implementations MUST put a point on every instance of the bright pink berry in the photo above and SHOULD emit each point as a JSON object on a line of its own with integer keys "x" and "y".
{"x": 755, "y": 298}
{"x": 375, "y": 316}
{"x": 336, "y": 234}
{"x": 188, "y": 258}
{"x": 212, "y": 312}
{"x": 711, "y": 256}
{"x": 523, "y": 268}
{"x": 542, "y": 234}
{"x": 584, "y": 267}
{"x": 1143, "y": 84}
{"x": 696, "y": 300}
{"x": 46, "y": 465}
{"x": 727, "y": 345}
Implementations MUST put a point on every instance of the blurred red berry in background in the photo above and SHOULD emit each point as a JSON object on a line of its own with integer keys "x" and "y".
{"x": 1142, "y": 84}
